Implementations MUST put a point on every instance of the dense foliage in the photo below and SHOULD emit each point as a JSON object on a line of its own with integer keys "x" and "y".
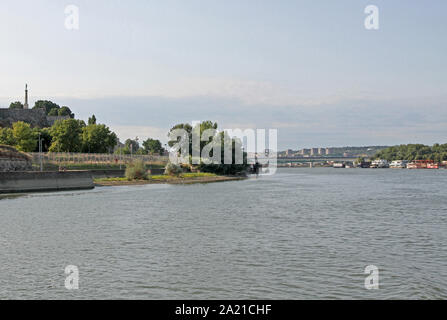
{"x": 219, "y": 140}
{"x": 16, "y": 105}
{"x": 412, "y": 152}
{"x": 20, "y": 136}
{"x": 99, "y": 138}
{"x": 150, "y": 146}
{"x": 153, "y": 146}
{"x": 68, "y": 135}
{"x": 53, "y": 109}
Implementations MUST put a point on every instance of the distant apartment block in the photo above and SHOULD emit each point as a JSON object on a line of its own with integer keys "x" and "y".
{"x": 304, "y": 152}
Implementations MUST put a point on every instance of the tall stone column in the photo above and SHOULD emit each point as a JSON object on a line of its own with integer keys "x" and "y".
{"x": 25, "y": 105}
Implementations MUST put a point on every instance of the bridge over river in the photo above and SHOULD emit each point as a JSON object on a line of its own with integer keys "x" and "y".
{"x": 315, "y": 159}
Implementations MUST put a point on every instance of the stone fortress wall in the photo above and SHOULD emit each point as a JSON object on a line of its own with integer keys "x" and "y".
{"x": 35, "y": 117}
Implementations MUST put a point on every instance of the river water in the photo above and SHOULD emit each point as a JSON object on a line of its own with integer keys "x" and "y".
{"x": 300, "y": 234}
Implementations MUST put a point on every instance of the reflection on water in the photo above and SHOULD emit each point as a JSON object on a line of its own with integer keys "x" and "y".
{"x": 301, "y": 234}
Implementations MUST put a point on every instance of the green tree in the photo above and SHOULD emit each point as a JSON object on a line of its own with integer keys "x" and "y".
{"x": 97, "y": 138}
{"x": 123, "y": 150}
{"x": 65, "y": 111}
{"x": 45, "y": 137}
{"x": 24, "y": 137}
{"x": 6, "y": 137}
{"x": 132, "y": 145}
{"x": 185, "y": 126}
{"x": 218, "y": 139}
{"x": 16, "y": 105}
{"x": 205, "y": 125}
{"x": 141, "y": 151}
{"x": 53, "y": 112}
{"x": 67, "y": 135}
{"x": 47, "y": 105}
{"x": 92, "y": 120}
{"x": 412, "y": 152}
{"x": 153, "y": 146}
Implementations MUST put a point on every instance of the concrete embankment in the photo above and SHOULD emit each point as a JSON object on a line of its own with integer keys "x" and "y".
{"x": 16, "y": 182}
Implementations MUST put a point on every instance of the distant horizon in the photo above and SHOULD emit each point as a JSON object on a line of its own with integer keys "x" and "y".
{"x": 144, "y": 132}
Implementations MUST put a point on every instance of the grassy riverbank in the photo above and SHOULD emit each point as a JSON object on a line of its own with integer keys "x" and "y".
{"x": 185, "y": 178}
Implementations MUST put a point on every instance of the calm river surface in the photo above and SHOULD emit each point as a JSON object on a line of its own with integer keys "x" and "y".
{"x": 300, "y": 234}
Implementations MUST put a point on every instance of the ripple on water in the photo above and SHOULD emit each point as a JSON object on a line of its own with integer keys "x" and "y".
{"x": 300, "y": 234}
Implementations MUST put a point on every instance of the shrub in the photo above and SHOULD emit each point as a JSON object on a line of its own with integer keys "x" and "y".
{"x": 173, "y": 169}
{"x": 136, "y": 171}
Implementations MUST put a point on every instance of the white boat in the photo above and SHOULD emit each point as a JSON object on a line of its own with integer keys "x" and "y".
{"x": 380, "y": 163}
{"x": 399, "y": 164}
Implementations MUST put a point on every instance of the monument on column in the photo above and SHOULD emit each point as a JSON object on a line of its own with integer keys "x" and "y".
{"x": 35, "y": 117}
{"x": 26, "y": 105}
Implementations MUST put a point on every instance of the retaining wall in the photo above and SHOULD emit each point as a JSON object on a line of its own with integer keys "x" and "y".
{"x": 15, "y": 182}
{"x": 14, "y": 165}
{"x": 157, "y": 171}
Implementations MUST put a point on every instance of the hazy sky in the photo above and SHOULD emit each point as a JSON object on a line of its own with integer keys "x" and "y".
{"x": 308, "y": 68}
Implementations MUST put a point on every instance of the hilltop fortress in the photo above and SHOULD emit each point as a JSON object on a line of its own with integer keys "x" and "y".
{"x": 35, "y": 117}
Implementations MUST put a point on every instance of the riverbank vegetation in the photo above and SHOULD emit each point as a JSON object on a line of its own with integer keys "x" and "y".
{"x": 411, "y": 152}
{"x": 68, "y": 135}
{"x": 215, "y": 140}
{"x": 184, "y": 178}
{"x": 161, "y": 177}
{"x": 136, "y": 171}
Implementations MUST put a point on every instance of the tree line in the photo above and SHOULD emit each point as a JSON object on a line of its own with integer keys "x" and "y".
{"x": 149, "y": 146}
{"x": 71, "y": 135}
{"x": 68, "y": 135}
{"x": 410, "y": 152}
